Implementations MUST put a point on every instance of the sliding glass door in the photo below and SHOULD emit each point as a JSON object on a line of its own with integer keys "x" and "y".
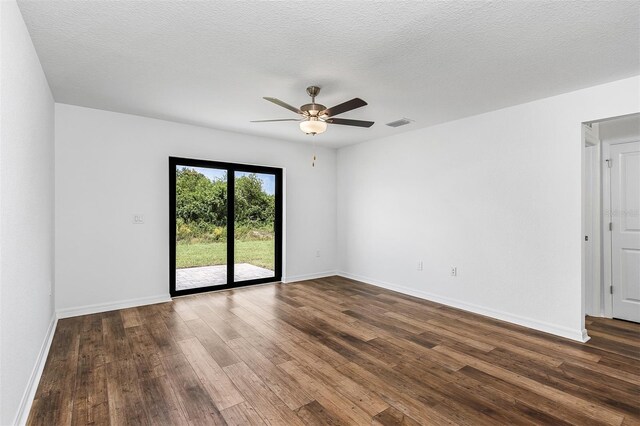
{"x": 225, "y": 225}
{"x": 255, "y": 219}
{"x": 200, "y": 226}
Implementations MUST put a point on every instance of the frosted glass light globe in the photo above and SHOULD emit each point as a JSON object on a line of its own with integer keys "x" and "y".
{"x": 313, "y": 126}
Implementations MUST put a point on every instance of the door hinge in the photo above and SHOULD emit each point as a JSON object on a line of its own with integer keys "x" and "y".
{"x": 610, "y": 226}
{"x": 611, "y": 289}
{"x": 609, "y": 162}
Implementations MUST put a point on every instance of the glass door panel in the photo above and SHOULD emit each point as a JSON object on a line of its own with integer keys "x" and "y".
{"x": 225, "y": 226}
{"x": 254, "y": 226}
{"x": 200, "y": 227}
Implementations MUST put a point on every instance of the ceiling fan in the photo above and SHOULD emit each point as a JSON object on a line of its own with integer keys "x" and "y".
{"x": 314, "y": 117}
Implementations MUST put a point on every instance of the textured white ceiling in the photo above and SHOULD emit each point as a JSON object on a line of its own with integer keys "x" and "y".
{"x": 209, "y": 63}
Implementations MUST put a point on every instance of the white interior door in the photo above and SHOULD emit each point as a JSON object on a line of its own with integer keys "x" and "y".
{"x": 625, "y": 232}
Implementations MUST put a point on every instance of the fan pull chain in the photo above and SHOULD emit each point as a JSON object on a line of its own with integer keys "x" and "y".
{"x": 313, "y": 148}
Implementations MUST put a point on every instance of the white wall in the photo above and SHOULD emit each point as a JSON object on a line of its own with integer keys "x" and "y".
{"x": 26, "y": 212}
{"x": 110, "y": 166}
{"x": 497, "y": 195}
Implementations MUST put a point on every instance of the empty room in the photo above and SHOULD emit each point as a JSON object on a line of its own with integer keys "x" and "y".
{"x": 334, "y": 213}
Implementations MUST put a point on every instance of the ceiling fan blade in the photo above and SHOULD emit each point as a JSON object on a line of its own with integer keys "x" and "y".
{"x": 280, "y": 119}
{"x": 283, "y": 104}
{"x": 347, "y": 122}
{"x": 344, "y": 107}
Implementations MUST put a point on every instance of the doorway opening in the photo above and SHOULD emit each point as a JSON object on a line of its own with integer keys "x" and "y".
{"x": 225, "y": 225}
{"x": 611, "y": 218}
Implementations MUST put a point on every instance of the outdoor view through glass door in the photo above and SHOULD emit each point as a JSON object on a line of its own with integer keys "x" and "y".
{"x": 210, "y": 251}
{"x": 254, "y": 234}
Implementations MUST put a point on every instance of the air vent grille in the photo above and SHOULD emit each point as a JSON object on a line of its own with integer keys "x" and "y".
{"x": 401, "y": 122}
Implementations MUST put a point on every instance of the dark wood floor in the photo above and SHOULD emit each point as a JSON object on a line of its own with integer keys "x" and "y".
{"x": 331, "y": 351}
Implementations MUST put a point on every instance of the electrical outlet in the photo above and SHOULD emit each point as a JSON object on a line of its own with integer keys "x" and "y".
{"x": 420, "y": 265}
{"x": 454, "y": 271}
{"x": 138, "y": 219}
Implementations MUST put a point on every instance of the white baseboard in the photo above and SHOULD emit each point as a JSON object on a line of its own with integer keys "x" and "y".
{"x": 296, "y": 278}
{"x": 577, "y": 335}
{"x": 111, "y": 306}
{"x": 34, "y": 380}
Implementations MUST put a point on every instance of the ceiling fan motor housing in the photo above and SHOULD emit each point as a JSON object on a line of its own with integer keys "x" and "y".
{"x": 312, "y": 109}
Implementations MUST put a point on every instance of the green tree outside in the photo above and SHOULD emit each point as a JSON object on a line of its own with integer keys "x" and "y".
{"x": 201, "y": 220}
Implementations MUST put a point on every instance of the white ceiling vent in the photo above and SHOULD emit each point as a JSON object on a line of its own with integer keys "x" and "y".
{"x": 401, "y": 122}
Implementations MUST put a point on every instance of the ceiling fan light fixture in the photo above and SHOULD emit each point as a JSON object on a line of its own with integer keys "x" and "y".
{"x": 313, "y": 126}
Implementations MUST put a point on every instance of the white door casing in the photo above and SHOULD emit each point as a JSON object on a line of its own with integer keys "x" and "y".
{"x": 593, "y": 287}
{"x": 625, "y": 230}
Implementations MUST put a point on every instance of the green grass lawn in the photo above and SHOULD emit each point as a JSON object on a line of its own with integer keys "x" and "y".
{"x": 258, "y": 253}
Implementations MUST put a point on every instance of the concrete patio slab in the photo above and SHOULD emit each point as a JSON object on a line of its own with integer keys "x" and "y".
{"x": 205, "y": 276}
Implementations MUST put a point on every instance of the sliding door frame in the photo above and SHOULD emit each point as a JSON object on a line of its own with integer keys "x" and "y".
{"x": 231, "y": 169}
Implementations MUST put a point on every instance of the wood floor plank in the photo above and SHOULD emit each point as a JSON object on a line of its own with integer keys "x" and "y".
{"x": 314, "y": 413}
{"x": 181, "y": 306}
{"x": 620, "y": 362}
{"x": 130, "y": 317}
{"x": 216, "y": 347}
{"x": 217, "y": 324}
{"x": 262, "y": 398}
{"x": 602, "y": 414}
{"x": 354, "y": 327}
{"x": 126, "y": 406}
{"x": 116, "y": 346}
{"x": 538, "y": 356}
{"x": 323, "y": 372}
{"x": 527, "y": 340}
{"x": 331, "y": 351}
{"x": 398, "y": 391}
{"x": 530, "y": 400}
{"x": 161, "y": 402}
{"x": 295, "y": 343}
{"x": 419, "y": 351}
{"x": 163, "y": 339}
{"x": 195, "y": 403}
{"x": 276, "y": 379}
{"x": 241, "y": 415}
{"x": 91, "y": 404}
{"x": 145, "y": 352}
{"x": 506, "y": 403}
{"x": 178, "y": 328}
{"x": 326, "y": 395}
{"x": 393, "y": 417}
{"x": 221, "y": 390}
{"x": 269, "y": 349}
